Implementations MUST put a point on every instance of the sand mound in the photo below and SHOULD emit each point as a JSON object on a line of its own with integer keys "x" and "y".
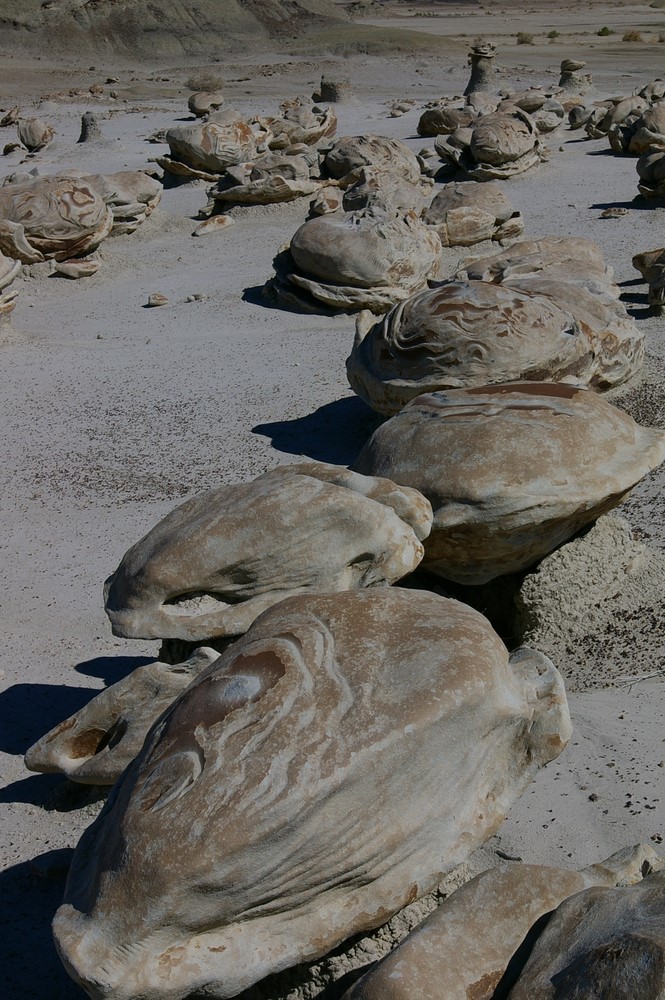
{"x": 141, "y": 28}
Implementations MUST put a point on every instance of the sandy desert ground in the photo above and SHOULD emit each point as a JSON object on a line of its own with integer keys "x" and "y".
{"x": 113, "y": 413}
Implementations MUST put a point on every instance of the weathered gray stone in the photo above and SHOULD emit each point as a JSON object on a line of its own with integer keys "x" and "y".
{"x": 463, "y": 949}
{"x": 601, "y": 943}
{"x": 511, "y": 470}
{"x": 204, "y": 101}
{"x": 462, "y": 334}
{"x": 216, "y": 562}
{"x": 95, "y": 745}
{"x": 34, "y": 133}
{"x": 349, "y": 153}
{"x": 483, "y": 70}
{"x": 464, "y": 213}
{"x": 495, "y": 146}
{"x": 651, "y": 265}
{"x": 58, "y": 217}
{"x": 326, "y": 771}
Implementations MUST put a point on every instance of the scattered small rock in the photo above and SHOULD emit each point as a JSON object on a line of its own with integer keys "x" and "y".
{"x": 613, "y": 213}
{"x": 76, "y": 268}
{"x": 214, "y": 225}
{"x": 156, "y": 299}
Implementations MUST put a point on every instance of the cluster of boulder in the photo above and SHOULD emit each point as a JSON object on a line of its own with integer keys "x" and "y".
{"x": 317, "y": 747}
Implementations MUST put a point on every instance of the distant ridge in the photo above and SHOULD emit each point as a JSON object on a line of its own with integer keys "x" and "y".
{"x": 158, "y": 28}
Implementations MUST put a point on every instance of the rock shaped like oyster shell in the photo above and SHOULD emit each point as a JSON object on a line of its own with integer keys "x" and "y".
{"x": 462, "y": 334}
{"x": 34, "y": 133}
{"x": 327, "y": 770}
{"x": 444, "y": 120}
{"x": 464, "y": 947}
{"x": 511, "y": 470}
{"x": 464, "y": 213}
{"x": 132, "y": 195}
{"x": 378, "y": 151}
{"x": 204, "y": 101}
{"x": 216, "y": 562}
{"x": 572, "y": 273}
{"x": 95, "y": 745}
{"x": 358, "y": 260}
{"x": 496, "y": 146}
{"x": 301, "y": 123}
{"x": 57, "y": 217}
{"x": 601, "y": 942}
{"x": 207, "y": 148}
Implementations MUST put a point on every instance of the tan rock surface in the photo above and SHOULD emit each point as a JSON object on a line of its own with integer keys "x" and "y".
{"x": 464, "y": 213}
{"x": 463, "y": 949}
{"x": 95, "y": 745}
{"x": 324, "y": 772}
{"x": 461, "y": 334}
{"x": 511, "y": 471}
{"x": 496, "y": 146}
{"x": 215, "y": 563}
{"x": 601, "y": 942}
{"x": 212, "y": 146}
{"x": 55, "y": 217}
{"x": 380, "y": 152}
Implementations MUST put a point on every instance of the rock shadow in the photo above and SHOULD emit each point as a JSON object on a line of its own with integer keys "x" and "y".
{"x": 112, "y": 668}
{"x": 334, "y": 433}
{"x": 30, "y": 710}
{"x": 30, "y": 964}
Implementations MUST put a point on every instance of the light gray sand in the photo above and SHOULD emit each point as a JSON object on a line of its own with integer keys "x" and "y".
{"x": 112, "y": 414}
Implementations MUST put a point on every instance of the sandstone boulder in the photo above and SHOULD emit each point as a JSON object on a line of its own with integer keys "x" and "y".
{"x": 326, "y": 771}
{"x": 214, "y": 563}
{"x": 301, "y": 122}
{"x": 601, "y": 943}
{"x": 132, "y": 196}
{"x": 349, "y": 153}
{"x": 359, "y": 260}
{"x": 444, "y": 120}
{"x": 496, "y": 146}
{"x": 639, "y": 133}
{"x": 511, "y": 470}
{"x": 464, "y": 213}
{"x": 204, "y": 150}
{"x": 95, "y": 745}
{"x": 572, "y": 272}
{"x": 651, "y": 172}
{"x": 267, "y": 180}
{"x": 462, "y": 334}
{"x": 651, "y": 265}
{"x": 34, "y": 133}
{"x": 463, "y": 949}
{"x": 618, "y": 110}
{"x": 58, "y": 217}
{"x": 204, "y": 101}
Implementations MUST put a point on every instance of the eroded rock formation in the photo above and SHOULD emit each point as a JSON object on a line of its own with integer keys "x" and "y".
{"x": 216, "y": 562}
{"x": 326, "y": 771}
{"x": 511, "y": 470}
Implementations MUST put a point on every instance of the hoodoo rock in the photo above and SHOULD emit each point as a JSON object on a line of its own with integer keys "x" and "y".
{"x": 216, "y": 562}
{"x": 511, "y": 470}
{"x": 327, "y": 770}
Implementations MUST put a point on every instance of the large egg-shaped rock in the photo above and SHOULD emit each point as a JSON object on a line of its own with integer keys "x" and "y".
{"x": 220, "y": 559}
{"x": 511, "y": 470}
{"x": 326, "y": 771}
{"x": 462, "y": 334}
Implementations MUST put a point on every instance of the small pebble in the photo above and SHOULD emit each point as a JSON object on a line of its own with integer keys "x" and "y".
{"x": 157, "y": 299}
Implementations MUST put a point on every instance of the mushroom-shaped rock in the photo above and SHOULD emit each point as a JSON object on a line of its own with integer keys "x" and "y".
{"x": 204, "y": 101}
{"x": 602, "y": 942}
{"x": 59, "y": 217}
{"x": 464, "y": 213}
{"x": 512, "y": 471}
{"x": 572, "y": 273}
{"x": 95, "y": 745}
{"x": 358, "y": 260}
{"x": 651, "y": 265}
{"x": 502, "y": 908}
{"x": 216, "y": 562}
{"x": 34, "y": 133}
{"x": 325, "y": 771}
{"x": 483, "y": 70}
{"x": 572, "y": 81}
{"x": 499, "y": 145}
{"x": 206, "y": 149}
{"x": 132, "y": 195}
{"x": 377, "y": 151}
{"x": 464, "y": 334}
{"x": 444, "y": 120}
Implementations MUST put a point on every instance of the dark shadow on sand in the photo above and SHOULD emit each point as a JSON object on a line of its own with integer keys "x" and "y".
{"x": 112, "y": 668}
{"x": 28, "y": 711}
{"x": 334, "y": 433}
{"x": 33, "y": 891}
